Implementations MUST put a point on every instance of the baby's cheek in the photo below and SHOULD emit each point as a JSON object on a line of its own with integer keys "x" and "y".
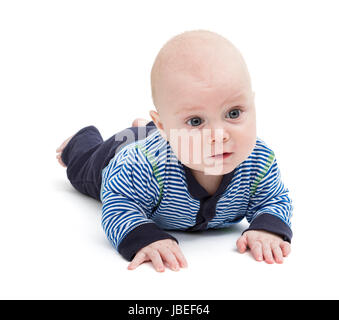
{"x": 246, "y": 142}
{"x": 188, "y": 149}
{"x": 181, "y": 147}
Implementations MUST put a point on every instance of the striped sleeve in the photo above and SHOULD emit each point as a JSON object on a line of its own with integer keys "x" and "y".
{"x": 129, "y": 193}
{"x": 270, "y": 207}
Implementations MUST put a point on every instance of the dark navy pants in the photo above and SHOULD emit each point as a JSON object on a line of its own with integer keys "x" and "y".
{"x": 86, "y": 154}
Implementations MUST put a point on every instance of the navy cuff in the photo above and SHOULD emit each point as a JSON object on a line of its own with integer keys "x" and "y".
{"x": 271, "y": 223}
{"x": 141, "y": 237}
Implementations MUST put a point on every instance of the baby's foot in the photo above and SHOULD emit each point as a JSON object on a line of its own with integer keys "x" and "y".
{"x": 140, "y": 122}
{"x": 60, "y": 149}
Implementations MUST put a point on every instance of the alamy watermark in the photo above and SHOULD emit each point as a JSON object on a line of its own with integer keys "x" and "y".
{"x": 202, "y": 148}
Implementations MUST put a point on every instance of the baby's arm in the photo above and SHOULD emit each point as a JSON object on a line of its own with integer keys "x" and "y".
{"x": 129, "y": 194}
{"x": 269, "y": 212}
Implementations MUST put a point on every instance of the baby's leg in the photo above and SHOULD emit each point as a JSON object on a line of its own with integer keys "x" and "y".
{"x": 85, "y": 154}
{"x": 75, "y": 153}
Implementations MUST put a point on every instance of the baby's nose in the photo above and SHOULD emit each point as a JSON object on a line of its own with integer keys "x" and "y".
{"x": 218, "y": 136}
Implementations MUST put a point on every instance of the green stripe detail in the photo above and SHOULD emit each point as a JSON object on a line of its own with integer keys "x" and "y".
{"x": 156, "y": 173}
{"x": 263, "y": 172}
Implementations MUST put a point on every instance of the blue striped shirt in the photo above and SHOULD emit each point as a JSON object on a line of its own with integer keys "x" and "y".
{"x": 145, "y": 190}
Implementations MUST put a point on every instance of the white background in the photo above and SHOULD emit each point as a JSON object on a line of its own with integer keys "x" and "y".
{"x": 68, "y": 64}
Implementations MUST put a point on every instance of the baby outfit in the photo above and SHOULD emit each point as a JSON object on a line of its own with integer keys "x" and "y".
{"x": 145, "y": 189}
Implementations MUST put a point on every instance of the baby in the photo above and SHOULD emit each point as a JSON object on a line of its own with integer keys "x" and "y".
{"x": 197, "y": 165}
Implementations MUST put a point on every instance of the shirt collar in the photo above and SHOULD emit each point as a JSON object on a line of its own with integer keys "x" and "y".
{"x": 198, "y": 191}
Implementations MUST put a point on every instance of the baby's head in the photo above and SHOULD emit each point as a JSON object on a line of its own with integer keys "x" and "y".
{"x": 202, "y": 92}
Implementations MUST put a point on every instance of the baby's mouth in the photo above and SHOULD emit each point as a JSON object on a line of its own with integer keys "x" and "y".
{"x": 222, "y": 155}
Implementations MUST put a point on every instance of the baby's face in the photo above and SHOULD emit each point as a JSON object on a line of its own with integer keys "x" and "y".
{"x": 207, "y": 111}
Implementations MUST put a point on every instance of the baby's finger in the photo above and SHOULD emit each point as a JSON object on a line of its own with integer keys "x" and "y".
{"x": 139, "y": 258}
{"x": 267, "y": 251}
{"x": 277, "y": 253}
{"x": 256, "y": 250}
{"x": 242, "y": 244}
{"x": 170, "y": 258}
{"x": 155, "y": 257}
{"x": 180, "y": 257}
{"x": 286, "y": 248}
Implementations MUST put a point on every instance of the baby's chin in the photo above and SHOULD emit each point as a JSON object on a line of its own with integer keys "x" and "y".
{"x": 215, "y": 170}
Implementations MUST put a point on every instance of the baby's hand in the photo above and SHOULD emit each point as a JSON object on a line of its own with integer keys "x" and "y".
{"x": 264, "y": 246}
{"x": 159, "y": 252}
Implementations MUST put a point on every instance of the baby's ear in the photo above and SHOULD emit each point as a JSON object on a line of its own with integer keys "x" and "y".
{"x": 156, "y": 119}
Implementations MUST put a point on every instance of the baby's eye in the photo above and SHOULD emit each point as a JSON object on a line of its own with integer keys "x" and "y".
{"x": 194, "y": 122}
{"x": 233, "y": 114}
